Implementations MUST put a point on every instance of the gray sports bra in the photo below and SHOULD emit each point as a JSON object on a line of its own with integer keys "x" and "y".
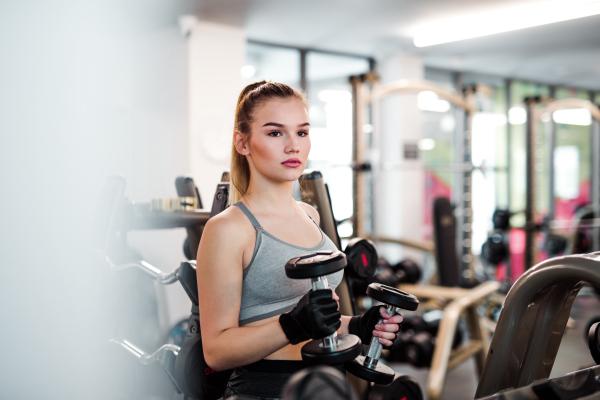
{"x": 266, "y": 290}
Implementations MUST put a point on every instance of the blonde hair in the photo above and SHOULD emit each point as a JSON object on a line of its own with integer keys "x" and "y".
{"x": 251, "y": 97}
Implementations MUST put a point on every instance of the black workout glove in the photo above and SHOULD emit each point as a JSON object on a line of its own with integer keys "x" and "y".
{"x": 364, "y": 325}
{"x": 314, "y": 317}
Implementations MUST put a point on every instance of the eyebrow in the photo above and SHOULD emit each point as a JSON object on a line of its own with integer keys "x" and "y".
{"x": 281, "y": 125}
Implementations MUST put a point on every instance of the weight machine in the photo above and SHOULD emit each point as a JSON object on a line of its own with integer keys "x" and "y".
{"x": 184, "y": 365}
{"x": 367, "y": 94}
{"x": 536, "y": 107}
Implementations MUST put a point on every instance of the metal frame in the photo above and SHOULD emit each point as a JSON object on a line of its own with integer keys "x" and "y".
{"x": 532, "y": 322}
{"x": 535, "y": 109}
{"x": 362, "y": 98}
{"x": 461, "y": 302}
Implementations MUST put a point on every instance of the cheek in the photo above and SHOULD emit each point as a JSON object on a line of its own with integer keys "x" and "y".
{"x": 265, "y": 150}
{"x": 306, "y": 145}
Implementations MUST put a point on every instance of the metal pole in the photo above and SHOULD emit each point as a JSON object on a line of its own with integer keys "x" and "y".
{"x": 466, "y": 258}
{"x": 595, "y": 181}
{"x": 508, "y": 84}
{"x": 551, "y": 129}
{"x": 357, "y": 189}
{"x": 303, "y": 83}
{"x": 530, "y": 185}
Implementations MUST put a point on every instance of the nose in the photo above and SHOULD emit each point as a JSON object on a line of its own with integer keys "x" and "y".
{"x": 292, "y": 145}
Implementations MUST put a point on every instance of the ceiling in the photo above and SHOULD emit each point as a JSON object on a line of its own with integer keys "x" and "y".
{"x": 564, "y": 53}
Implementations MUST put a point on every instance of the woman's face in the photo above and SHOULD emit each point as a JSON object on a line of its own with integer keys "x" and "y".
{"x": 279, "y": 144}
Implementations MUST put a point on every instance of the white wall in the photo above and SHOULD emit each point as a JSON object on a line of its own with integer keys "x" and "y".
{"x": 184, "y": 126}
{"x": 399, "y": 193}
{"x": 216, "y": 56}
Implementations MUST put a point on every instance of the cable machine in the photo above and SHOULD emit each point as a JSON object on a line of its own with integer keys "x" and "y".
{"x": 536, "y": 107}
{"x": 367, "y": 94}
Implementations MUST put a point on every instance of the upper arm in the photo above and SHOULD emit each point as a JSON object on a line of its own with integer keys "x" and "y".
{"x": 314, "y": 214}
{"x": 220, "y": 275}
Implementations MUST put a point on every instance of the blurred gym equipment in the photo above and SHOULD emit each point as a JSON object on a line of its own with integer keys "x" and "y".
{"x": 115, "y": 216}
{"x": 403, "y": 387}
{"x": 368, "y": 92}
{"x": 536, "y": 107}
{"x": 532, "y": 322}
{"x": 318, "y": 383}
{"x": 455, "y": 302}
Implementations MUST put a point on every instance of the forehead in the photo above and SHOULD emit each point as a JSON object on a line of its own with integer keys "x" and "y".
{"x": 284, "y": 111}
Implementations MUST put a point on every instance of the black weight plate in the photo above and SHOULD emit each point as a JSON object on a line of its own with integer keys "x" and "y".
{"x": 392, "y": 296}
{"x": 404, "y": 387}
{"x": 362, "y": 258}
{"x": 348, "y": 348}
{"x": 313, "y": 265}
{"x": 380, "y": 374}
{"x": 594, "y": 341}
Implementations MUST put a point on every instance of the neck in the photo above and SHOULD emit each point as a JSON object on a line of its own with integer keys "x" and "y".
{"x": 270, "y": 196}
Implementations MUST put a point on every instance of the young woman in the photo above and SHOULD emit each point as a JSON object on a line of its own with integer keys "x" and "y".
{"x": 254, "y": 319}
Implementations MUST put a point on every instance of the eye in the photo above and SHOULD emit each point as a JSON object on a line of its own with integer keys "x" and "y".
{"x": 274, "y": 133}
{"x": 302, "y": 133}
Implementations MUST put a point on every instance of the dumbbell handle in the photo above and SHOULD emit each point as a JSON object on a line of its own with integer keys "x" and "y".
{"x": 374, "y": 352}
{"x": 320, "y": 283}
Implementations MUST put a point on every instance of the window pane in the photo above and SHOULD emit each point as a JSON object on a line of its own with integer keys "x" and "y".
{"x": 330, "y": 98}
{"x": 272, "y": 63}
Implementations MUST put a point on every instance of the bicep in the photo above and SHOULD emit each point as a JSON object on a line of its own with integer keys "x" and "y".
{"x": 220, "y": 275}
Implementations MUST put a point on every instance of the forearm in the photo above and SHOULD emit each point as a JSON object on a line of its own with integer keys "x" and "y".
{"x": 343, "y": 329}
{"x": 240, "y": 346}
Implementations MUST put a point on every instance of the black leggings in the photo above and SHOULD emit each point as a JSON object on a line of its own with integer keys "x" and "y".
{"x": 264, "y": 379}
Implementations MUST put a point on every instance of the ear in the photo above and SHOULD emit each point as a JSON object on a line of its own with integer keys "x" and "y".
{"x": 240, "y": 141}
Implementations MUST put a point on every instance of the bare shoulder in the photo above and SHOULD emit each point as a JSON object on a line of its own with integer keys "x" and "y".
{"x": 231, "y": 224}
{"x": 314, "y": 214}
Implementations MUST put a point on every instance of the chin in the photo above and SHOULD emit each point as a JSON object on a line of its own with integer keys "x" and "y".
{"x": 289, "y": 175}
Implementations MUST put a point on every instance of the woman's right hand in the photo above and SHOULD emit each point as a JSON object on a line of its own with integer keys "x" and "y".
{"x": 315, "y": 316}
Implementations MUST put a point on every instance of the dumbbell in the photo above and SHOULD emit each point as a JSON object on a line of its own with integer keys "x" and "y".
{"x": 403, "y": 387}
{"x": 407, "y": 271}
{"x": 332, "y": 349}
{"x": 368, "y": 367}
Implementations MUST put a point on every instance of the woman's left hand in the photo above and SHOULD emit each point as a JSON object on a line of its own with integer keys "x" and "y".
{"x": 367, "y": 325}
{"x": 387, "y": 330}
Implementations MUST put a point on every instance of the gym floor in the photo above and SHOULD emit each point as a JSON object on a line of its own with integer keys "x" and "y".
{"x": 573, "y": 354}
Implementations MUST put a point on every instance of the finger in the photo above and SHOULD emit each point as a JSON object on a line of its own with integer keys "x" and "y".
{"x": 321, "y": 294}
{"x": 387, "y": 327}
{"x": 396, "y": 319}
{"x": 385, "y": 342}
{"x": 329, "y": 307}
{"x": 332, "y": 318}
{"x": 384, "y": 335}
{"x": 334, "y": 294}
{"x": 384, "y": 312}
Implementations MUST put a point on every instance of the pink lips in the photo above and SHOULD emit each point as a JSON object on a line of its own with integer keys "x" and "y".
{"x": 292, "y": 163}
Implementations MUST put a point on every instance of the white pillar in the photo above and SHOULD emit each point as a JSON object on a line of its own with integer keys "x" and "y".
{"x": 399, "y": 193}
{"x": 216, "y": 55}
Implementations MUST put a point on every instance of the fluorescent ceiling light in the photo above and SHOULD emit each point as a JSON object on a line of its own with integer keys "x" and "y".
{"x": 426, "y": 144}
{"x": 517, "y": 116}
{"x": 576, "y": 116}
{"x": 509, "y": 20}
{"x": 429, "y": 101}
